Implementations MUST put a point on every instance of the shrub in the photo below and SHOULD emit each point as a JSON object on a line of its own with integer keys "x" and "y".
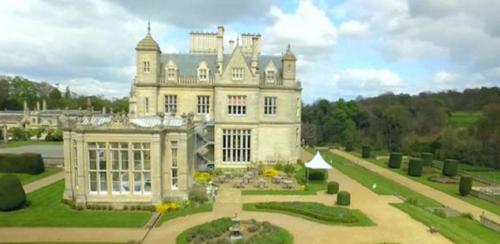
{"x": 365, "y": 152}
{"x": 12, "y": 194}
{"x": 439, "y": 212}
{"x": 198, "y": 194}
{"x": 289, "y": 168}
{"x": 202, "y": 177}
{"x": 395, "y": 160}
{"x": 333, "y": 187}
{"x": 415, "y": 167}
{"x": 317, "y": 174}
{"x": 450, "y": 168}
{"x": 465, "y": 185}
{"x": 270, "y": 172}
{"x": 427, "y": 158}
{"x": 312, "y": 209}
{"x": 343, "y": 198}
{"x": 210, "y": 230}
{"x": 30, "y": 163}
{"x": 54, "y": 135}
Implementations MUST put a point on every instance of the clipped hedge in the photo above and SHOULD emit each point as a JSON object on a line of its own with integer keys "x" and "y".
{"x": 465, "y": 186}
{"x": 312, "y": 209}
{"x": 427, "y": 158}
{"x": 365, "y": 152}
{"x": 450, "y": 167}
{"x": 333, "y": 187}
{"x": 318, "y": 174}
{"x": 395, "y": 160}
{"x": 415, "y": 167}
{"x": 29, "y": 163}
{"x": 344, "y": 198}
{"x": 12, "y": 194}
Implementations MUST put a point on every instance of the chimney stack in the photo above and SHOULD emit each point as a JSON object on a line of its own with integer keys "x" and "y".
{"x": 44, "y": 105}
{"x": 220, "y": 48}
{"x": 255, "y": 54}
{"x": 231, "y": 46}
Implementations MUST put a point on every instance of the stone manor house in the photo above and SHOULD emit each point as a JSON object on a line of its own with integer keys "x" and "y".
{"x": 209, "y": 108}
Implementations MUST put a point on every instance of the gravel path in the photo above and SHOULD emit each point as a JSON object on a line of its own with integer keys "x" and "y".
{"x": 428, "y": 191}
{"x": 35, "y": 185}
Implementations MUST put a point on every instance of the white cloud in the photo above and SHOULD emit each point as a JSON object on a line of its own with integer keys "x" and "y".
{"x": 367, "y": 81}
{"x": 308, "y": 29}
{"x": 354, "y": 29}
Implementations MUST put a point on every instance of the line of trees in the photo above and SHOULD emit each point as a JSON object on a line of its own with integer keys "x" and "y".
{"x": 15, "y": 90}
{"x": 410, "y": 124}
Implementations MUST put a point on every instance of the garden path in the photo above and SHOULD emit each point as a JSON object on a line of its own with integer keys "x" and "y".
{"x": 376, "y": 207}
{"x": 428, "y": 191}
{"x": 35, "y": 185}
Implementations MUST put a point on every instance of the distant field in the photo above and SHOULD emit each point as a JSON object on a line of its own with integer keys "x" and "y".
{"x": 463, "y": 119}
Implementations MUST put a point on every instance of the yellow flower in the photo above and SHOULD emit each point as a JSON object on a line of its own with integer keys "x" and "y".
{"x": 302, "y": 187}
{"x": 270, "y": 172}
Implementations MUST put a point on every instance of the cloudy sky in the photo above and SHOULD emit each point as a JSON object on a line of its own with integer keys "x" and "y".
{"x": 345, "y": 48}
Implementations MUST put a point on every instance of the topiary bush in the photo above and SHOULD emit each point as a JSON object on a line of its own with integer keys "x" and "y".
{"x": 450, "y": 167}
{"x": 317, "y": 174}
{"x": 12, "y": 194}
{"x": 395, "y": 160}
{"x": 427, "y": 158}
{"x": 365, "y": 152}
{"x": 29, "y": 163}
{"x": 415, "y": 167}
{"x": 198, "y": 194}
{"x": 333, "y": 187}
{"x": 465, "y": 186}
{"x": 344, "y": 198}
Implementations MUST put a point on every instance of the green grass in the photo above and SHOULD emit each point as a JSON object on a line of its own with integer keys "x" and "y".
{"x": 367, "y": 178}
{"x": 450, "y": 189}
{"x": 28, "y": 178}
{"x": 46, "y": 209}
{"x": 29, "y": 143}
{"x": 206, "y": 207}
{"x": 66, "y": 242}
{"x": 457, "y": 229}
{"x": 311, "y": 189}
{"x": 326, "y": 214}
{"x": 463, "y": 119}
{"x": 447, "y": 226}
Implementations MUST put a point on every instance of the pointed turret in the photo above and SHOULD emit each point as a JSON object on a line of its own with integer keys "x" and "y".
{"x": 288, "y": 60}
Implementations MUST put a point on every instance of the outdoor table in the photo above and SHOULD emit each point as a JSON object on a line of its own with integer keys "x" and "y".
{"x": 288, "y": 183}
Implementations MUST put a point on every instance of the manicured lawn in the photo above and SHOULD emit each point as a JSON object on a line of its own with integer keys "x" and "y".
{"x": 463, "y": 119}
{"x": 30, "y": 143}
{"x": 450, "y": 189}
{"x": 69, "y": 242}
{"x": 311, "y": 189}
{"x": 457, "y": 229}
{"x": 46, "y": 209}
{"x": 447, "y": 226}
{"x": 28, "y": 178}
{"x": 206, "y": 207}
{"x": 314, "y": 211}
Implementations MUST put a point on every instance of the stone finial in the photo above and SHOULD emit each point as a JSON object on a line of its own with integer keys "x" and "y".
{"x": 149, "y": 27}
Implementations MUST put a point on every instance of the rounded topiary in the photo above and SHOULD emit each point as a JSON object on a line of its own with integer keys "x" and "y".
{"x": 12, "y": 194}
{"x": 415, "y": 167}
{"x": 343, "y": 198}
{"x": 333, "y": 187}
{"x": 395, "y": 160}
{"x": 465, "y": 185}
{"x": 427, "y": 158}
{"x": 450, "y": 167}
{"x": 365, "y": 152}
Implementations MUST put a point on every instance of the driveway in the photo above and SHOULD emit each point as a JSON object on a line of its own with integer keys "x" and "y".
{"x": 47, "y": 151}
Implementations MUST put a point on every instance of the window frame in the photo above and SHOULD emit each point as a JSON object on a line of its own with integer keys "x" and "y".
{"x": 236, "y": 105}
{"x": 237, "y": 73}
{"x": 270, "y": 106}
{"x": 236, "y": 146}
{"x": 203, "y": 105}
{"x": 170, "y": 104}
{"x": 146, "y": 67}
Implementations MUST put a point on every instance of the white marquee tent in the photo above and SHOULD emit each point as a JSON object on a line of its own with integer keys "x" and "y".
{"x": 316, "y": 163}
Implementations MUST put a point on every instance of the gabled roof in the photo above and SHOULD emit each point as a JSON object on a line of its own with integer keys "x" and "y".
{"x": 188, "y": 62}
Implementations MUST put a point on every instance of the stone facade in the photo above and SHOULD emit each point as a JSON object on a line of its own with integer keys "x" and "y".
{"x": 197, "y": 111}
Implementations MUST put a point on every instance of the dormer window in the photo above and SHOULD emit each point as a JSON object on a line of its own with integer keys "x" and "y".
{"x": 270, "y": 76}
{"x": 171, "y": 74}
{"x": 203, "y": 74}
{"x": 237, "y": 73}
{"x": 147, "y": 68}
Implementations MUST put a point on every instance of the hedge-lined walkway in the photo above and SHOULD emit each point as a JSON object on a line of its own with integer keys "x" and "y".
{"x": 428, "y": 191}
{"x": 35, "y": 185}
